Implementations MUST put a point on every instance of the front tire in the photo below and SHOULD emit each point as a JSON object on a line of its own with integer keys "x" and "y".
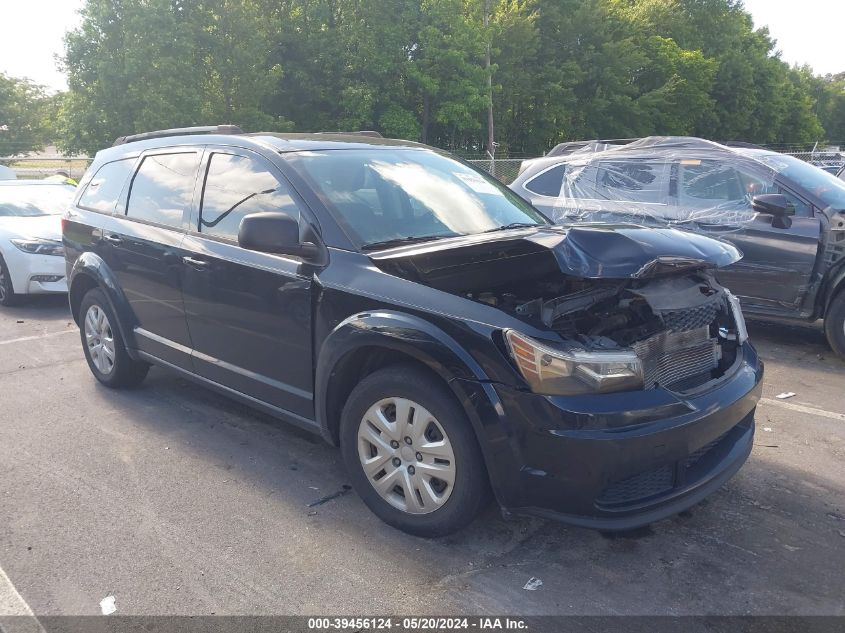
{"x": 103, "y": 344}
{"x": 834, "y": 324}
{"x": 7, "y": 292}
{"x": 411, "y": 452}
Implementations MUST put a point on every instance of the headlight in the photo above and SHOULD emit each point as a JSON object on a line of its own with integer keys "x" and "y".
{"x": 40, "y": 247}
{"x": 739, "y": 320}
{"x": 559, "y": 372}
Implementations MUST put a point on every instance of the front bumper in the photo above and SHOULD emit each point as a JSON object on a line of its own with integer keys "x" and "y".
{"x": 621, "y": 461}
{"x": 24, "y": 266}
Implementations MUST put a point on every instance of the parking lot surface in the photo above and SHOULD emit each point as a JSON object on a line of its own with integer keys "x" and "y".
{"x": 175, "y": 500}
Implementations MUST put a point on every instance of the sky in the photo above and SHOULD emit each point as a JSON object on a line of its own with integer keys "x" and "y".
{"x": 31, "y": 32}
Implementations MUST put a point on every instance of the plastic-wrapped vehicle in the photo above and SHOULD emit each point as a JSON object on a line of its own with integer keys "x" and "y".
{"x": 785, "y": 215}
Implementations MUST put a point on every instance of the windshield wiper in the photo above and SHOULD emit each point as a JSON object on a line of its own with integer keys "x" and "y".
{"x": 398, "y": 241}
{"x": 514, "y": 225}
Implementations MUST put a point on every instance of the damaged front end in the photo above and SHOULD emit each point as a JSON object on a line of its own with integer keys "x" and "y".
{"x": 625, "y": 308}
{"x": 678, "y": 332}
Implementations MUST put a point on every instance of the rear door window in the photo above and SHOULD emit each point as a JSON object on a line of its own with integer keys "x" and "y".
{"x": 163, "y": 188}
{"x": 103, "y": 191}
{"x": 236, "y": 186}
{"x": 632, "y": 181}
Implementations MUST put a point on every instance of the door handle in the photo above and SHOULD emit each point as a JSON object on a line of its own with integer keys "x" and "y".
{"x": 113, "y": 239}
{"x": 196, "y": 264}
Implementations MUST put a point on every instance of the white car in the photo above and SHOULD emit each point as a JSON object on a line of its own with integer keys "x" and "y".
{"x": 31, "y": 252}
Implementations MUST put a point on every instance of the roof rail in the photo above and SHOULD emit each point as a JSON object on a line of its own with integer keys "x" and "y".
{"x": 179, "y": 131}
{"x": 371, "y": 133}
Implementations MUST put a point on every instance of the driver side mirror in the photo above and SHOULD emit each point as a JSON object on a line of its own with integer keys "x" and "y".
{"x": 776, "y": 205}
{"x": 276, "y": 233}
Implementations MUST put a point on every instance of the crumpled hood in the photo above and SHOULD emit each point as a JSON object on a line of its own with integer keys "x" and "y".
{"x": 597, "y": 251}
{"x": 48, "y": 227}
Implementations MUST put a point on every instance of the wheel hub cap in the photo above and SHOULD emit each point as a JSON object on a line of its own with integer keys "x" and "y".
{"x": 415, "y": 477}
{"x": 100, "y": 339}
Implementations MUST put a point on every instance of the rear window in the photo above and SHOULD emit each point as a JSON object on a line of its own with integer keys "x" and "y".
{"x": 163, "y": 188}
{"x": 102, "y": 192}
{"x": 34, "y": 200}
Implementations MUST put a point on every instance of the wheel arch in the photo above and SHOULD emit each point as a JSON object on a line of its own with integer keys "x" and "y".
{"x": 835, "y": 285}
{"x": 366, "y": 342}
{"x": 91, "y": 271}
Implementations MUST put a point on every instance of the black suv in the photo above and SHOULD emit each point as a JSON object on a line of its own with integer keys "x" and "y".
{"x": 418, "y": 314}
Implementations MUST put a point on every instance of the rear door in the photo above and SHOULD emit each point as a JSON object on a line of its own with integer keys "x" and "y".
{"x": 144, "y": 250}
{"x": 249, "y": 313}
{"x": 778, "y": 261}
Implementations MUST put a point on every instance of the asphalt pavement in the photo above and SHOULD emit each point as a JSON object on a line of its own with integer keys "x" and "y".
{"x": 175, "y": 500}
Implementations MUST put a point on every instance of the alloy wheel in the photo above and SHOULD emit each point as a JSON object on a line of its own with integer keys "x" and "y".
{"x": 99, "y": 338}
{"x": 406, "y": 455}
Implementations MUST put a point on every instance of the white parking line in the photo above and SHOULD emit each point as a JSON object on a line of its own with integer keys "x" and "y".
{"x": 38, "y": 336}
{"x": 15, "y": 614}
{"x": 803, "y": 409}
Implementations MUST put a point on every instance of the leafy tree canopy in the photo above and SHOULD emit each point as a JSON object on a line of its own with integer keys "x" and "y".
{"x": 560, "y": 69}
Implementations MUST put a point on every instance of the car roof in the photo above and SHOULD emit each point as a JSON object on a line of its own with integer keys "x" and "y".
{"x": 275, "y": 141}
{"x": 654, "y": 148}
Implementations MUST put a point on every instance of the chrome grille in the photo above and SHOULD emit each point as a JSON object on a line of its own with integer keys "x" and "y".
{"x": 670, "y": 357}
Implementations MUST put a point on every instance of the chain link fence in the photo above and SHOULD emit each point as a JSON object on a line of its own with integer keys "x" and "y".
{"x": 830, "y": 160}
{"x": 505, "y": 169}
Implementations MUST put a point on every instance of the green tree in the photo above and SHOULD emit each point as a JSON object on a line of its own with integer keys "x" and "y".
{"x": 25, "y": 113}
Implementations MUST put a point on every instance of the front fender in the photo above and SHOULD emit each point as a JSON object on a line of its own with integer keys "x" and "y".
{"x": 441, "y": 353}
{"x": 399, "y": 332}
{"x": 90, "y": 270}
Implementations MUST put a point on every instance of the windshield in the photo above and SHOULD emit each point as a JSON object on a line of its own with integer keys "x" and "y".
{"x": 34, "y": 200}
{"x": 386, "y": 195}
{"x": 820, "y": 183}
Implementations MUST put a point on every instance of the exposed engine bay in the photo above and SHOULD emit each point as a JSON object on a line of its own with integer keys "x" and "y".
{"x": 681, "y": 327}
{"x": 603, "y": 289}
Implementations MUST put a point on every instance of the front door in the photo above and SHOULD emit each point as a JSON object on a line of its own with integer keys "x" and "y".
{"x": 248, "y": 313}
{"x": 778, "y": 260}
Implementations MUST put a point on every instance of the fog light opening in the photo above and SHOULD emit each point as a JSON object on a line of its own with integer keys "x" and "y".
{"x": 47, "y": 278}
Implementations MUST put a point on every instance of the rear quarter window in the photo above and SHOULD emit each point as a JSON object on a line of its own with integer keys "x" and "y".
{"x": 547, "y": 183}
{"x": 104, "y": 189}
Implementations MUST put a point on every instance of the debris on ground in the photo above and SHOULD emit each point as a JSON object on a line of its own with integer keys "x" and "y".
{"x": 533, "y": 584}
{"x": 107, "y": 605}
{"x": 785, "y": 395}
{"x": 767, "y": 429}
{"x": 346, "y": 488}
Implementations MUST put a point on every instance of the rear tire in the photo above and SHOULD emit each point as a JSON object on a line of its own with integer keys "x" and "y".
{"x": 411, "y": 453}
{"x": 102, "y": 343}
{"x": 7, "y": 292}
{"x": 834, "y": 324}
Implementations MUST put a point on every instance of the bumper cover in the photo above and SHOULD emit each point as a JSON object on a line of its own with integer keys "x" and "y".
{"x": 24, "y": 266}
{"x": 622, "y": 461}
